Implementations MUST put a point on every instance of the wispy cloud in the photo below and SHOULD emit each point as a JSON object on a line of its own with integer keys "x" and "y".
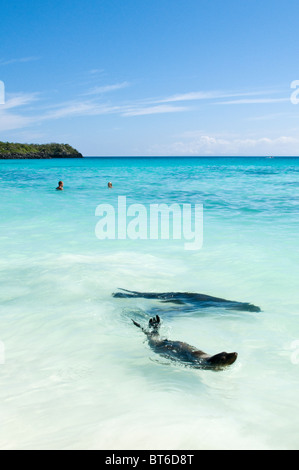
{"x": 10, "y": 122}
{"x": 92, "y": 103}
{"x": 18, "y": 111}
{"x": 18, "y": 60}
{"x": 218, "y": 94}
{"x": 99, "y": 90}
{"x": 268, "y": 117}
{"x": 191, "y": 96}
{"x": 161, "y": 109}
{"x": 13, "y": 120}
{"x": 96, "y": 72}
{"x": 94, "y": 108}
{"x": 255, "y": 101}
{"x": 79, "y": 108}
{"x": 164, "y": 105}
{"x": 19, "y": 99}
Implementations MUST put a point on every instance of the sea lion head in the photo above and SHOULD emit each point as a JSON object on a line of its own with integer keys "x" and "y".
{"x": 223, "y": 359}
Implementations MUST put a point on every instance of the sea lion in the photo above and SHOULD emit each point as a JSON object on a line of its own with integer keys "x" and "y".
{"x": 183, "y": 352}
{"x": 191, "y": 299}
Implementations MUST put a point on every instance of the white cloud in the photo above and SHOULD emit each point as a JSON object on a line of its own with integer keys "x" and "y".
{"x": 95, "y": 108}
{"x": 11, "y": 121}
{"x": 94, "y": 105}
{"x": 255, "y": 101}
{"x": 96, "y": 71}
{"x": 191, "y": 96}
{"x": 267, "y": 117}
{"x": 216, "y": 94}
{"x": 19, "y": 60}
{"x": 161, "y": 109}
{"x": 79, "y": 109}
{"x": 107, "y": 88}
{"x": 19, "y": 99}
{"x": 209, "y": 145}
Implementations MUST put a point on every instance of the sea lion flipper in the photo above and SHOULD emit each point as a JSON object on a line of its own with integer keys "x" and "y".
{"x": 154, "y": 322}
{"x": 136, "y": 324}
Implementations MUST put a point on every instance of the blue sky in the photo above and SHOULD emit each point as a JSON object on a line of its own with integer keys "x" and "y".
{"x": 151, "y": 77}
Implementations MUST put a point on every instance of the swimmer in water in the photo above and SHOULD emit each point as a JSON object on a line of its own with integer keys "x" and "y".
{"x": 60, "y": 186}
{"x": 109, "y": 185}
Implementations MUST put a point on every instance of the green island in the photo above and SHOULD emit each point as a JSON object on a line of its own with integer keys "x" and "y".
{"x": 30, "y": 151}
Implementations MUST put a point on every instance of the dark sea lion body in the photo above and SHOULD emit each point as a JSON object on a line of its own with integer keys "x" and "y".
{"x": 187, "y": 298}
{"x": 183, "y": 352}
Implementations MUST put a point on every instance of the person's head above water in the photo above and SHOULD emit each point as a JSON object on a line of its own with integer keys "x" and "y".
{"x": 60, "y": 186}
{"x": 109, "y": 185}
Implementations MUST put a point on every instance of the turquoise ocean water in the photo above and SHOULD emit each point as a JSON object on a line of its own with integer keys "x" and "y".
{"x": 75, "y": 372}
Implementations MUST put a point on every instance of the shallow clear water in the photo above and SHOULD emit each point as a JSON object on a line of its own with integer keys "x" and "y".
{"x": 75, "y": 371}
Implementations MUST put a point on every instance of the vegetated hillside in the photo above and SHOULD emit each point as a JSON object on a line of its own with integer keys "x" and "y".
{"x": 14, "y": 151}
